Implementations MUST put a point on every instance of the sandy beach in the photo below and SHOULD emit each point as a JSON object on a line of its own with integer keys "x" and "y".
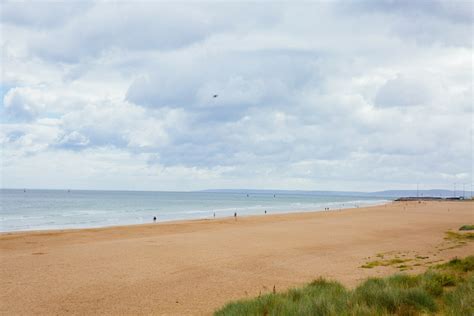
{"x": 194, "y": 267}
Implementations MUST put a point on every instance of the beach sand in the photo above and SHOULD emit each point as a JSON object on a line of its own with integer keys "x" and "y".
{"x": 194, "y": 267}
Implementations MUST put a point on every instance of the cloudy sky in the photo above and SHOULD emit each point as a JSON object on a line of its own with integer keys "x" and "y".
{"x": 362, "y": 95}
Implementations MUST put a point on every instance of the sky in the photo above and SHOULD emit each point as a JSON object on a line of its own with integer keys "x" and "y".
{"x": 329, "y": 95}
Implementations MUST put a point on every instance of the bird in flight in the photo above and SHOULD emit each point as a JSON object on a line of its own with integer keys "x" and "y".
{"x": 215, "y": 96}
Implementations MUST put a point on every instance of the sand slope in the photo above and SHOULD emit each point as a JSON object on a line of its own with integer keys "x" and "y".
{"x": 196, "y": 266}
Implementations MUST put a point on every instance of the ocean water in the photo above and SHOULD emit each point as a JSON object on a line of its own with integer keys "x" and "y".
{"x": 56, "y": 209}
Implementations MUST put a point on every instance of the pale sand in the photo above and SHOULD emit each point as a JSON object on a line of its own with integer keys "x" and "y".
{"x": 194, "y": 267}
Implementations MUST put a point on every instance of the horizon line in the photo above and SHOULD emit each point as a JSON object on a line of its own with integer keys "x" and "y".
{"x": 236, "y": 190}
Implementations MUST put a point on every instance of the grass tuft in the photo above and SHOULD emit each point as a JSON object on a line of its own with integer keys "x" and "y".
{"x": 421, "y": 257}
{"x": 460, "y": 301}
{"x": 458, "y": 236}
{"x": 458, "y": 265}
{"x": 371, "y": 264}
{"x": 383, "y": 263}
{"x": 467, "y": 227}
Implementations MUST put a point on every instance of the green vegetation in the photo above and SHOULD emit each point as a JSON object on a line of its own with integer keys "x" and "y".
{"x": 458, "y": 266}
{"x": 458, "y": 236}
{"x": 446, "y": 289}
{"x": 421, "y": 257}
{"x": 460, "y": 301}
{"x": 467, "y": 227}
{"x": 383, "y": 263}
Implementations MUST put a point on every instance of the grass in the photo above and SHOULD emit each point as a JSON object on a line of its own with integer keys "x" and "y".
{"x": 447, "y": 289}
{"x": 421, "y": 257}
{"x": 467, "y": 227}
{"x": 458, "y": 266}
{"x": 458, "y": 236}
{"x": 383, "y": 263}
{"x": 461, "y": 300}
{"x": 404, "y": 267}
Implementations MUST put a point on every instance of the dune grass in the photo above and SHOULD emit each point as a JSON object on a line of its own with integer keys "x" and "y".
{"x": 449, "y": 235}
{"x": 446, "y": 289}
{"x": 383, "y": 263}
{"x": 467, "y": 227}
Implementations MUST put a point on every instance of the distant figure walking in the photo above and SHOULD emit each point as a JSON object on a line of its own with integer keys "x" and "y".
{"x": 265, "y": 211}
{"x": 235, "y": 215}
{"x": 154, "y": 219}
{"x": 214, "y": 214}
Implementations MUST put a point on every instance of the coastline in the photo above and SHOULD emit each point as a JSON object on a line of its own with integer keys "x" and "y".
{"x": 195, "y": 266}
{"x": 175, "y": 221}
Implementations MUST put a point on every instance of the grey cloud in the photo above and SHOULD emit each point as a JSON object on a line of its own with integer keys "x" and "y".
{"x": 127, "y": 26}
{"x": 14, "y": 136}
{"x": 161, "y": 90}
{"x": 73, "y": 140}
{"x": 307, "y": 93}
{"x": 434, "y": 22}
{"x": 41, "y": 14}
{"x": 402, "y": 92}
{"x": 241, "y": 81}
{"x": 138, "y": 26}
{"x": 457, "y": 11}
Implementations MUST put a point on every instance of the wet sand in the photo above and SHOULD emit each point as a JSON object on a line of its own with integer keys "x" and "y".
{"x": 194, "y": 267}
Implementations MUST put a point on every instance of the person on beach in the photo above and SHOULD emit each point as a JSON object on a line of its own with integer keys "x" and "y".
{"x": 265, "y": 211}
{"x": 154, "y": 219}
{"x": 214, "y": 214}
{"x": 235, "y": 215}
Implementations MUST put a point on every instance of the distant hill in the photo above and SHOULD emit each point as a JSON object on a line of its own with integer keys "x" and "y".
{"x": 387, "y": 193}
{"x": 420, "y": 193}
{"x": 302, "y": 192}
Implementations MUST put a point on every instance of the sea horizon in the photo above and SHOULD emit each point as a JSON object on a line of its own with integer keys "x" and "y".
{"x": 46, "y": 209}
{"x": 442, "y": 192}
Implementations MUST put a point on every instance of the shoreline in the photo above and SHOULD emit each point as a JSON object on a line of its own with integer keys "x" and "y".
{"x": 194, "y": 267}
{"x": 174, "y": 221}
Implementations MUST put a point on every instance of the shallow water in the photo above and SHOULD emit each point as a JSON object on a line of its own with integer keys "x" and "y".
{"x": 56, "y": 209}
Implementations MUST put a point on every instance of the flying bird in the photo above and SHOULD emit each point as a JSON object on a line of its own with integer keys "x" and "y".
{"x": 215, "y": 96}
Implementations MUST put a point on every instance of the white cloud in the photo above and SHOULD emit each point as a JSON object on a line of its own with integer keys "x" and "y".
{"x": 363, "y": 95}
{"x": 24, "y": 104}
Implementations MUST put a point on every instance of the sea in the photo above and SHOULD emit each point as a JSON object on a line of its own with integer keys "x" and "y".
{"x": 23, "y": 210}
